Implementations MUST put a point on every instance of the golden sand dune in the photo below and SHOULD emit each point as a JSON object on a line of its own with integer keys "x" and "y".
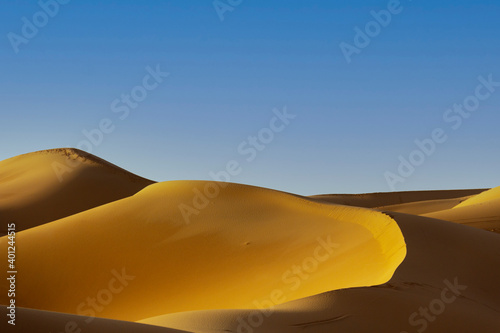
{"x": 424, "y": 207}
{"x": 40, "y": 187}
{"x": 490, "y": 195}
{"x": 448, "y": 282}
{"x": 476, "y": 208}
{"x": 248, "y": 243}
{"x": 373, "y": 200}
{"x": 481, "y": 211}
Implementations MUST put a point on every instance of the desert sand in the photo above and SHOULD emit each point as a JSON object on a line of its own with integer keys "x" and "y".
{"x": 103, "y": 250}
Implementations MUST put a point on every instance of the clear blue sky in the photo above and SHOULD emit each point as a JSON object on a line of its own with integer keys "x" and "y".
{"x": 353, "y": 120}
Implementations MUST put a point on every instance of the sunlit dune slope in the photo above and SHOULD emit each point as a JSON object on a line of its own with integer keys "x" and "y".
{"x": 493, "y": 194}
{"x": 448, "y": 282}
{"x": 40, "y": 187}
{"x": 372, "y": 200}
{"x": 424, "y": 207}
{"x": 481, "y": 211}
{"x": 243, "y": 245}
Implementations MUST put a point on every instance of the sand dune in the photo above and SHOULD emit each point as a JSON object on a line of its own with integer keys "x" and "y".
{"x": 481, "y": 211}
{"x": 476, "y": 208}
{"x": 424, "y": 207}
{"x": 372, "y": 200}
{"x": 242, "y": 246}
{"x": 125, "y": 255}
{"x": 487, "y": 196}
{"x": 40, "y": 187}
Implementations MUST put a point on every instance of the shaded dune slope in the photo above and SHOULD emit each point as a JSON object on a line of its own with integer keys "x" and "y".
{"x": 39, "y": 321}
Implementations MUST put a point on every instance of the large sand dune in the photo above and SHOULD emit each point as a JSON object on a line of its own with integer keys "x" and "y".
{"x": 244, "y": 245}
{"x": 41, "y": 187}
{"x": 123, "y": 254}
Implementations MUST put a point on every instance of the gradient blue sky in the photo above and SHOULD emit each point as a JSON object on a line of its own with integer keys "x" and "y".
{"x": 353, "y": 120}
